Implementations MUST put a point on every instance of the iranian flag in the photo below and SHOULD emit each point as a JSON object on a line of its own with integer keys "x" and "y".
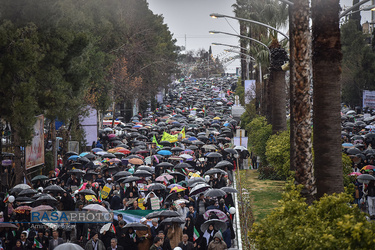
{"x": 83, "y": 186}
{"x": 6, "y": 198}
{"x": 37, "y": 244}
{"x": 195, "y": 234}
{"x": 113, "y": 229}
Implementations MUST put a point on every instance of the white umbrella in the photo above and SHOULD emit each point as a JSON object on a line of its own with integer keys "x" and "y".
{"x": 21, "y": 186}
{"x": 186, "y": 156}
{"x": 106, "y": 227}
{"x": 96, "y": 207}
{"x": 101, "y": 152}
{"x": 68, "y": 246}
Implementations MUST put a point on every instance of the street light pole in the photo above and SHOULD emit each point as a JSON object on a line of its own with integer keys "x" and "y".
{"x": 216, "y": 15}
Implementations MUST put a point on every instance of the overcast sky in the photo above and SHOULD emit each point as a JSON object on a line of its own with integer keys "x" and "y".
{"x": 190, "y": 19}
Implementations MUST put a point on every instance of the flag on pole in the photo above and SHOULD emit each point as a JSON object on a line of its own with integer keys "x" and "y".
{"x": 37, "y": 244}
{"x": 113, "y": 229}
{"x": 88, "y": 234}
{"x": 6, "y": 198}
{"x": 195, "y": 234}
{"x": 82, "y": 186}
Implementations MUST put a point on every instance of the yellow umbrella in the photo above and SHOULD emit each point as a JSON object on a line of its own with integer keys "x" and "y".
{"x": 217, "y": 118}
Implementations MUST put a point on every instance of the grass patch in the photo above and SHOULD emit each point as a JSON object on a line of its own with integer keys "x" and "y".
{"x": 262, "y": 194}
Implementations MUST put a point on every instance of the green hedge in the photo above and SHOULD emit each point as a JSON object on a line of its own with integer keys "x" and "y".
{"x": 330, "y": 223}
{"x": 258, "y": 133}
{"x": 278, "y": 153}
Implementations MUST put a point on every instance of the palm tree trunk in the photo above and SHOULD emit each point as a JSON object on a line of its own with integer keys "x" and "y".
{"x": 18, "y": 166}
{"x": 301, "y": 106}
{"x": 243, "y": 32}
{"x": 278, "y": 99}
{"x": 326, "y": 62}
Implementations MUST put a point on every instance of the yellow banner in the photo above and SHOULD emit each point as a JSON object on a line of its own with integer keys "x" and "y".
{"x": 90, "y": 198}
{"x": 105, "y": 192}
{"x": 173, "y": 138}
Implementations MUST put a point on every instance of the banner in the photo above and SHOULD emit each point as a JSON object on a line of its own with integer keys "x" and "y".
{"x": 34, "y": 153}
{"x": 134, "y": 215}
{"x": 249, "y": 90}
{"x": 369, "y": 98}
{"x": 90, "y": 126}
{"x": 173, "y": 138}
{"x": 105, "y": 192}
{"x": 155, "y": 203}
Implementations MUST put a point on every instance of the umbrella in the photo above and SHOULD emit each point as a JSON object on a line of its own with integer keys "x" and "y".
{"x": 87, "y": 192}
{"x": 147, "y": 168}
{"x": 136, "y": 226}
{"x": 215, "y": 171}
{"x": 220, "y": 214}
{"x": 214, "y": 155}
{"x": 177, "y": 149}
{"x": 164, "y": 152}
{"x": 70, "y": 153}
{"x": 353, "y": 151}
{"x": 173, "y": 220}
{"x": 229, "y": 190}
{"x": 121, "y": 174}
{"x": 109, "y": 155}
{"x": 142, "y": 173}
{"x": 194, "y": 180}
{"x": 114, "y": 160}
{"x": 165, "y": 165}
{"x": 8, "y": 225}
{"x": 365, "y": 178}
{"x": 200, "y": 188}
{"x": 183, "y": 165}
{"x": 21, "y": 186}
{"x": 24, "y": 199}
{"x": 41, "y": 208}
{"x": 68, "y": 246}
{"x": 177, "y": 189}
{"x": 355, "y": 174}
{"x": 165, "y": 143}
{"x": 168, "y": 213}
{"x": 28, "y": 191}
{"x": 95, "y": 207}
{"x": 186, "y": 156}
{"x": 105, "y": 228}
{"x": 230, "y": 151}
{"x": 223, "y": 164}
{"x": 45, "y": 199}
{"x": 95, "y": 150}
{"x": 90, "y": 156}
{"x": 54, "y": 188}
{"x": 76, "y": 172}
{"x": 152, "y": 215}
{"x": 22, "y": 209}
{"x": 39, "y": 178}
{"x": 214, "y": 193}
{"x": 136, "y": 161}
{"x": 367, "y": 167}
{"x": 73, "y": 157}
{"x": 175, "y": 158}
{"x": 218, "y": 225}
{"x": 131, "y": 179}
{"x": 210, "y": 147}
{"x": 155, "y": 186}
{"x": 164, "y": 177}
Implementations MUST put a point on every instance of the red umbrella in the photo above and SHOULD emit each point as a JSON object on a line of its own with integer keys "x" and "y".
{"x": 42, "y": 208}
{"x": 22, "y": 209}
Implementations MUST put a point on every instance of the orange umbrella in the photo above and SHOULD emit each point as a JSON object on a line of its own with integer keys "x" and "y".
{"x": 136, "y": 161}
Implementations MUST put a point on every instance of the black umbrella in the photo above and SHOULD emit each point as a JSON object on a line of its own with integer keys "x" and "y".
{"x": 365, "y": 178}
{"x": 75, "y": 165}
{"x": 165, "y": 143}
{"x": 70, "y": 153}
{"x": 218, "y": 225}
{"x": 230, "y": 151}
{"x": 183, "y": 165}
{"x": 24, "y": 199}
{"x": 8, "y": 225}
{"x": 215, "y": 171}
{"x": 28, "y": 191}
{"x": 192, "y": 147}
{"x": 194, "y": 180}
{"x": 76, "y": 172}
{"x": 155, "y": 186}
{"x": 169, "y": 213}
{"x": 84, "y": 160}
{"x": 87, "y": 192}
{"x": 214, "y": 155}
{"x": 165, "y": 165}
{"x": 39, "y": 178}
{"x": 142, "y": 173}
{"x": 90, "y": 156}
{"x": 119, "y": 155}
{"x": 229, "y": 190}
{"x": 152, "y": 215}
{"x": 131, "y": 179}
{"x": 54, "y": 188}
{"x": 214, "y": 193}
{"x": 200, "y": 188}
{"x": 198, "y": 142}
{"x": 171, "y": 220}
{"x": 136, "y": 226}
{"x": 177, "y": 149}
{"x": 223, "y": 164}
{"x": 46, "y": 198}
{"x": 121, "y": 174}
{"x": 146, "y": 168}
{"x": 109, "y": 155}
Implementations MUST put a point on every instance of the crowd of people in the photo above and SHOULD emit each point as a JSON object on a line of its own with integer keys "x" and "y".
{"x": 166, "y": 177}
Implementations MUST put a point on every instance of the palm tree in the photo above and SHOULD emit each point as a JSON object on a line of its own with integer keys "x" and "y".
{"x": 301, "y": 157}
{"x": 326, "y": 62}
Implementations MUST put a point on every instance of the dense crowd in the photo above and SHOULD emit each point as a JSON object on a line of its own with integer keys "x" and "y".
{"x": 166, "y": 177}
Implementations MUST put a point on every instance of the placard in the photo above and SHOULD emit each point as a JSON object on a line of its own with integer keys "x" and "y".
{"x": 155, "y": 204}
{"x": 34, "y": 153}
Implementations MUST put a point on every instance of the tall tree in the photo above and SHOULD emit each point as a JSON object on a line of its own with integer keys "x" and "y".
{"x": 300, "y": 106}
{"x": 326, "y": 62}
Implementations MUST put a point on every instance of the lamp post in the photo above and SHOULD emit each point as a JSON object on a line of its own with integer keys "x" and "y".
{"x": 248, "y": 57}
{"x": 216, "y": 15}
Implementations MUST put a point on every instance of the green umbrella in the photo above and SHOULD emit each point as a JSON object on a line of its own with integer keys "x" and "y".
{"x": 39, "y": 178}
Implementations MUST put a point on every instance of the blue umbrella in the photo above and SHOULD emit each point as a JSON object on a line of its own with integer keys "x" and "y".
{"x": 164, "y": 152}
{"x": 192, "y": 139}
{"x": 73, "y": 157}
{"x": 83, "y": 154}
{"x": 95, "y": 150}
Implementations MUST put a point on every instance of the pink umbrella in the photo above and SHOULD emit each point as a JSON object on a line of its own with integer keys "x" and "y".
{"x": 354, "y": 174}
{"x": 42, "y": 208}
{"x": 111, "y": 135}
{"x": 115, "y": 160}
{"x": 220, "y": 214}
{"x": 164, "y": 177}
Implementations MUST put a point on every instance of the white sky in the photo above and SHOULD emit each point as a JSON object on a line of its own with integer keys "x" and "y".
{"x": 191, "y": 18}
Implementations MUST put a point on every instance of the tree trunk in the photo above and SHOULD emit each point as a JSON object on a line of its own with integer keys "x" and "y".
{"x": 243, "y": 44}
{"x": 19, "y": 167}
{"x": 268, "y": 106}
{"x": 301, "y": 158}
{"x": 278, "y": 99}
{"x": 53, "y": 139}
{"x": 326, "y": 62}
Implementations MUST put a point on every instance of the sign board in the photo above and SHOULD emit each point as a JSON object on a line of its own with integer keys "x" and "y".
{"x": 240, "y": 141}
{"x": 140, "y": 203}
{"x": 240, "y": 133}
{"x": 368, "y": 98}
{"x": 34, "y": 153}
{"x": 90, "y": 126}
{"x": 105, "y": 191}
{"x": 155, "y": 204}
{"x": 73, "y": 146}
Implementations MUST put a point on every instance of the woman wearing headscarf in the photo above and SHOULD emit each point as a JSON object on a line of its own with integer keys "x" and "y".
{"x": 145, "y": 236}
{"x": 174, "y": 234}
{"x": 209, "y": 234}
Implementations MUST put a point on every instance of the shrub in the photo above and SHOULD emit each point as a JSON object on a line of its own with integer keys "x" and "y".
{"x": 268, "y": 173}
{"x": 330, "y": 223}
{"x": 278, "y": 153}
{"x": 258, "y": 133}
